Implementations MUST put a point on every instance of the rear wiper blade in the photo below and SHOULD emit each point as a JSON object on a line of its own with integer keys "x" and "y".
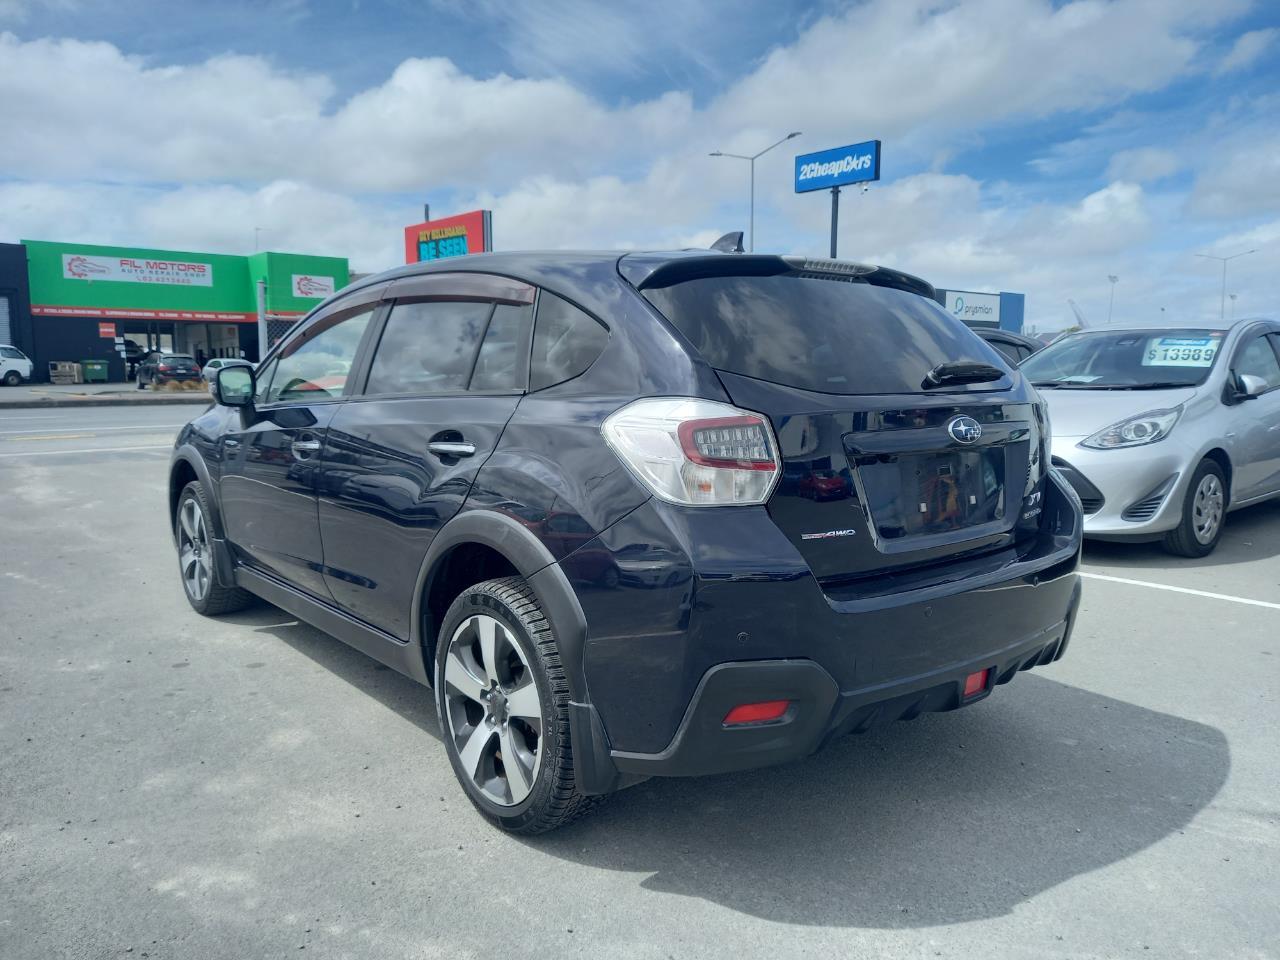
{"x": 945, "y": 374}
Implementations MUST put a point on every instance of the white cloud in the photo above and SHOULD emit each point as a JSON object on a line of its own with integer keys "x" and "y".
{"x": 552, "y": 37}
{"x": 1247, "y": 49}
{"x": 1243, "y": 178}
{"x": 1144, "y": 164}
{"x": 115, "y": 148}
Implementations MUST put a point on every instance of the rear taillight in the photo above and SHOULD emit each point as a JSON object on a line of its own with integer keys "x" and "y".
{"x": 696, "y": 452}
{"x": 164, "y": 368}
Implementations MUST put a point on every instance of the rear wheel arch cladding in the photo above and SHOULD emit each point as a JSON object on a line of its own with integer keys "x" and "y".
{"x": 531, "y": 560}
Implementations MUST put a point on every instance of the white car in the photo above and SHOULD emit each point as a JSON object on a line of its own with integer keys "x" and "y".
{"x": 212, "y": 366}
{"x": 15, "y": 366}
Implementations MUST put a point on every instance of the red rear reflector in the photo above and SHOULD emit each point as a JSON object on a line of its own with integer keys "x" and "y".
{"x": 975, "y": 683}
{"x": 756, "y": 712}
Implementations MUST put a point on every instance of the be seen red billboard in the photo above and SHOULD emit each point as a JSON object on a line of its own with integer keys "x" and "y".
{"x": 449, "y": 237}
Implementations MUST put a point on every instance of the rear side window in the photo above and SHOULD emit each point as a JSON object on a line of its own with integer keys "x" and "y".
{"x": 428, "y": 347}
{"x": 504, "y": 352}
{"x": 565, "y": 342}
{"x": 828, "y": 335}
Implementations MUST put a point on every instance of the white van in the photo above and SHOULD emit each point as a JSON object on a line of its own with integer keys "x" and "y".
{"x": 15, "y": 366}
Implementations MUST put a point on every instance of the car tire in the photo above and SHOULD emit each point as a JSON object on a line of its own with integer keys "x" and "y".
{"x": 486, "y": 708}
{"x": 196, "y": 559}
{"x": 1204, "y": 512}
{"x": 12, "y": 378}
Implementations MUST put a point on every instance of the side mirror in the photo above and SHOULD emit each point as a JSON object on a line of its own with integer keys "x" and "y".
{"x": 234, "y": 386}
{"x": 1248, "y": 386}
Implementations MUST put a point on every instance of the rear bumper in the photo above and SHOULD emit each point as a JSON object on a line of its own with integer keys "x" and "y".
{"x": 820, "y": 711}
{"x": 738, "y": 618}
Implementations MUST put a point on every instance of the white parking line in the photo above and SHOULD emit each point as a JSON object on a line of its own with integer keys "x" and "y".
{"x": 1194, "y": 593}
{"x": 54, "y": 453}
{"x": 157, "y": 427}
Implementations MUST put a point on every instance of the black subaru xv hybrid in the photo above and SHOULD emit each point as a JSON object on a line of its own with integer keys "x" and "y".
{"x": 649, "y": 514}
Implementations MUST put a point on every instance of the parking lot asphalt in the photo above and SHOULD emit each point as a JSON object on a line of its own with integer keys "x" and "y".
{"x": 175, "y": 787}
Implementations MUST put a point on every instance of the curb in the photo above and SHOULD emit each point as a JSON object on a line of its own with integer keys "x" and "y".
{"x": 89, "y": 401}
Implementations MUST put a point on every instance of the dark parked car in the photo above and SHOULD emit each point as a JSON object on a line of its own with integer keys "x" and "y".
{"x": 1014, "y": 347}
{"x": 547, "y": 485}
{"x": 160, "y": 368}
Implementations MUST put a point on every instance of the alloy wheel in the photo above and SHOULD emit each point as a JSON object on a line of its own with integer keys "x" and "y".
{"x": 193, "y": 549}
{"x": 493, "y": 710}
{"x": 1206, "y": 508}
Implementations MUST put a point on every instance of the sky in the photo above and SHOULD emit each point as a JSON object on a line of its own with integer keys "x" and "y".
{"x": 1028, "y": 146}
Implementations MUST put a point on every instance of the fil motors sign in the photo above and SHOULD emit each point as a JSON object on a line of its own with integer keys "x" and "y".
{"x": 181, "y": 273}
{"x": 856, "y": 163}
{"x": 309, "y": 286}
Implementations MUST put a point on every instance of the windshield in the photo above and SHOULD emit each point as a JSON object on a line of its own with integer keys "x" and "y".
{"x": 1126, "y": 360}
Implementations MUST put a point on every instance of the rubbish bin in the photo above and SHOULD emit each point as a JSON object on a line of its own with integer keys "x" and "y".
{"x": 95, "y": 371}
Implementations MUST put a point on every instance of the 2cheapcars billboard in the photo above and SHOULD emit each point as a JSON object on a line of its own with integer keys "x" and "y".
{"x": 449, "y": 237}
{"x": 856, "y": 163}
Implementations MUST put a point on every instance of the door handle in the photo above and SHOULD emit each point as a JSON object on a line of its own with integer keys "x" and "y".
{"x": 451, "y": 448}
{"x": 303, "y": 449}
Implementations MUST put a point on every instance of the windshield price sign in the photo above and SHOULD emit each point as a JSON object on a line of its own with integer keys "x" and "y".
{"x": 1180, "y": 351}
{"x": 857, "y": 163}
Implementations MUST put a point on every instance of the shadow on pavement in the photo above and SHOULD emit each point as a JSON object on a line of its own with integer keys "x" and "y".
{"x": 393, "y": 690}
{"x": 1252, "y": 533}
{"x": 951, "y": 818}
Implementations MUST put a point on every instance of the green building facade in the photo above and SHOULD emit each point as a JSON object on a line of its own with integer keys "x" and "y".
{"x": 87, "y": 300}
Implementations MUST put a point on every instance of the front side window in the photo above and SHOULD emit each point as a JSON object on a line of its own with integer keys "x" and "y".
{"x": 428, "y": 347}
{"x": 1257, "y": 359}
{"x": 317, "y": 365}
{"x": 11, "y": 353}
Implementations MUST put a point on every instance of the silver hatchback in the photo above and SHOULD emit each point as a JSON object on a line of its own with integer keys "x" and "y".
{"x": 1162, "y": 431}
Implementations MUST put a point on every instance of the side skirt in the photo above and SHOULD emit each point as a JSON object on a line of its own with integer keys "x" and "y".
{"x": 382, "y": 646}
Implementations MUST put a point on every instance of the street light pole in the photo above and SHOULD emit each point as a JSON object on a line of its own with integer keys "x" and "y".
{"x": 1233, "y": 305}
{"x": 1222, "y": 313}
{"x": 1111, "y": 304}
{"x": 751, "y": 235}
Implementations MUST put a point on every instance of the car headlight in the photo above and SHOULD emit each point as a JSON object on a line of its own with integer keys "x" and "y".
{"x": 1135, "y": 431}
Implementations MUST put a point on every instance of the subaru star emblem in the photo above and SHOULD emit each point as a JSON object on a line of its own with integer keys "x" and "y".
{"x": 964, "y": 430}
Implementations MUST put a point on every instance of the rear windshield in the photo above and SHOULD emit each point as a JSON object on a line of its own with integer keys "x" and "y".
{"x": 828, "y": 335}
